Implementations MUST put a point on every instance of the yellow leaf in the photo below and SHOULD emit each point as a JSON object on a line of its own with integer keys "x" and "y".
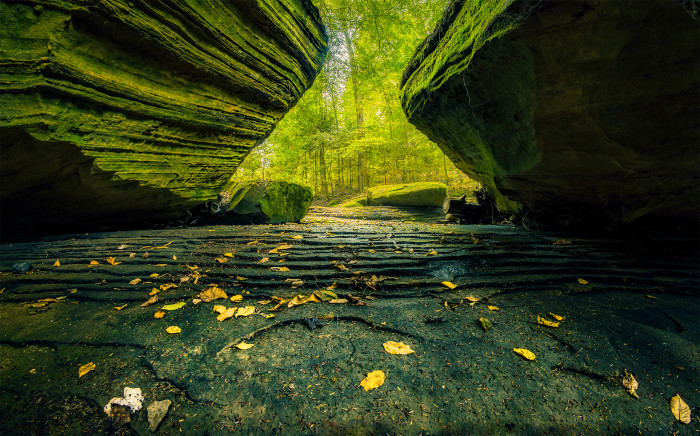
{"x": 264, "y": 260}
{"x": 159, "y": 314}
{"x": 372, "y": 251}
{"x": 631, "y": 384}
{"x": 431, "y": 253}
{"x": 191, "y": 268}
{"x": 84, "y": 369}
{"x": 314, "y": 299}
{"x": 245, "y": 311}
{"x": 341, "y": 267}
{"x": 392, "y": 347}
{"x": 280, "y": 305}
{"x": 297, "y": 237}
{"x": 471, "y": 299}
{"x": 160, "y": 265}
{"x": 485, "y": 323}
{"x": 651, "y": 297}
{"x": 93, "y": 263}
{"x": 373, "y": 380}
{"x": 279, "y": 268}
{"x": 174, "y": 257}
{"x": 152, "y": 300}
{"x": 221, "y": 259}
{"x": 173, "y": 330}
{"x": 326, "y": 294}
{"x": 121, "y": 307}
{"x": 270, "y": 315}
{"x": 493, "y": 307}
{"x": 244, "y": 346}
{"x": 154, "y": 291}
{"x": 154, "y": 275}
{"x": 237, "y": 298}
{"x": 219, "y": 308}
{"x": 226, "y": 314}
{"x": 680, "y": 410}
{"x": 174, "y": 306}
{"x": 529, "y": 355}
{"x": 338, "y": 301}
{"x": 112, "y": 261}
{"x": 252, "y": 243}
{"x": 135, "y": 282}
{"x": 449, "y": 285}
{"x": 57, "y": 263}
{"x": 212, "y": 293}
{"x": 582, "y": 281}
{"x": 241, "y": 279}
{"x": 546, "y": 322}
{"x": 163, "y": 246}
{"x": 557, "y": 317}
{"x": 228, "y": 254}
{"x": 297, "y": 301}
{"x": 166, "y": 286}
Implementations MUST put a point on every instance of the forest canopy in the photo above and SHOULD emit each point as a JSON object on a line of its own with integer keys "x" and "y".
{"x": 348, "y": 132}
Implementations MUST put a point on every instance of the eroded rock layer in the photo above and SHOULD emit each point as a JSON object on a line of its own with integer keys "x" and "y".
{"x": 587, "y": 108}
{"x": 124, "y": 111}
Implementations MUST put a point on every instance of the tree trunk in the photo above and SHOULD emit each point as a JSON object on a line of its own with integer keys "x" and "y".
{"x": 322, "y": 170}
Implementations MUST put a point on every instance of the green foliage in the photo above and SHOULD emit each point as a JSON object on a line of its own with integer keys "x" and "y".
{"x": 349, "y": 132}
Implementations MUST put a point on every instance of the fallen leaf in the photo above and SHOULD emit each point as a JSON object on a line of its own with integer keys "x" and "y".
{"x": 392, "y": 347}
{"x": 159, "y": 314}
{"x": 93, "y": 263}
{"x": 84, "y": 369}
{"x": 57, "y": 263}
{"x": 557, "y": 317}
{"x": 166, "y": 286}
{"x": 174, "y": 306}
{"x": 252, "y": 243}
{"x": 121, "y": 307}
{"x": 651, "y": 297}
{"x": 226, "y": 314}
{"x": 680, "y": 410}
{"x": 173, "y": 330}
{"x": 237, "y": 298}
{"x": 493, "y": 307}
{"x": 582, "y": 281}
{"x": 174, "y": 257}
{"x": 241, "y": 279}
{"x": 228, "y": 254}
{"x": 279, "y": 268}
{"x": 154, "y": 275}
{"x": 244, "y": 346}
{"x": 121, "y": 247}
{"x": 471, "y": 299}
{"x": 297, "y": 283}
{"x": 546, "y": 322}
{"x": 561, "y": 242}
{"x": 212, "y": 293}
{"x": 297, "y": 237}
{"x": 154, "y": 291}
{"x": 298, "y": 300}
{"x": 529, "y": 355}
{"x": 280, "y": 305}
{"x": 132, "y": 254}
{"x": 631, "y": 384}
{"x": 373, "y": 380}
{"x": 163, "y": 246}
{"x": 160, "y": 265}
{"x": 269, "y": 315}
{"x": 372, "y": 251}
{"x": 341, "y": 267}
{"x": 185, "y": 279}
{"x": 313, "y": 298}
{"x": 449, "y": 285}
{"x": 245, "y": 311}
{"x": 264, "y": 259}
{"x": 191, "y": 268}
{"x": 145, "y": 255}
{"x": 326, "y": 294}
{"x": 485, "y": 323}
{"x": 112, "y": 261}
{"x": 221, "y": 259}
{"x": 196, "y": 300}
{"x": 152, "y": 300}
{"x": 135, "y": 282}
{"x": 431, "y": 253}
{"x": 219, "y": 308}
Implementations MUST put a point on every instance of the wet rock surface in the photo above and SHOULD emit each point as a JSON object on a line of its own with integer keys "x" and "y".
{"x": 629, "y": 305}
{"x": 572, "y": 108}
{"x": 124, "y": 112}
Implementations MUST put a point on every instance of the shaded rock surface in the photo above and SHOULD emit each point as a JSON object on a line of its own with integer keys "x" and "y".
{"x": 120, "y": 112}
{"x": 577, "y": 108}
{"x": 423, "y": 194}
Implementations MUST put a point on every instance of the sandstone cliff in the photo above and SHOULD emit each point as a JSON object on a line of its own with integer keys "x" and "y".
{"x": 123, "y": 111}
{"x": 585, "y": 108}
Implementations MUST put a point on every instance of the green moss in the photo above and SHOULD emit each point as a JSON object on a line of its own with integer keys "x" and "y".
{"x": 428, "y": 194}
{"x": 358, "y": 201}
{"x": 286, "y": 202}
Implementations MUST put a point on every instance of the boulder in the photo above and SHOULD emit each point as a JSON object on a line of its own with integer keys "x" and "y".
{"x": 262, "y": 202}
{"x": 581, "y": 108}
{"x": 122, "y": 112}
{"x": 423, "y": 194}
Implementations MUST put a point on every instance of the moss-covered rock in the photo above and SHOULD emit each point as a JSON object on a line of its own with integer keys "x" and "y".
{"x": 265, "y": 201}
{"x": 120, "y": 111}
{"x": 358, "y": 201}
{"x": 422, "y": 194}
{"x": 584, "y": 108}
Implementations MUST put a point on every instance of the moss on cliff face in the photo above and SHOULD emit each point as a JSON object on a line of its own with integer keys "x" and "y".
{"x": 169, "y": 96}
{"x": 587, "y": 108}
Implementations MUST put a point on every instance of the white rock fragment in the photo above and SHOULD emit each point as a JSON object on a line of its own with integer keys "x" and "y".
{"x": 132, "y": 399}
{"x": 156, "y": 412}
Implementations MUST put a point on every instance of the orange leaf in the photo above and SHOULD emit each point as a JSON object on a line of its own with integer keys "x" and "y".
{"x": 159, "y": 314}
{"x": 84, "y": 369}
{"x": 112, "y": 261}
{"x": 152, "y": 300}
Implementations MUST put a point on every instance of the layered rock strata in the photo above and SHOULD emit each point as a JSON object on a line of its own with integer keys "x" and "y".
{"x": 124, "y": 111}
{"x": 583, "y": 108}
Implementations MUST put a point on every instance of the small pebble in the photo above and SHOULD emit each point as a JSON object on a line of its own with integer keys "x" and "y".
{"x": 21, "y": 267}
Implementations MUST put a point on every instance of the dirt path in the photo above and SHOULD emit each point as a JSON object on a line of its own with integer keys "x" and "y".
{"x": 294, "y": 380}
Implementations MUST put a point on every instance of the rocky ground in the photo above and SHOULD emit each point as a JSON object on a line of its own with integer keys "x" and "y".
{"x": 629, "y": 306}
